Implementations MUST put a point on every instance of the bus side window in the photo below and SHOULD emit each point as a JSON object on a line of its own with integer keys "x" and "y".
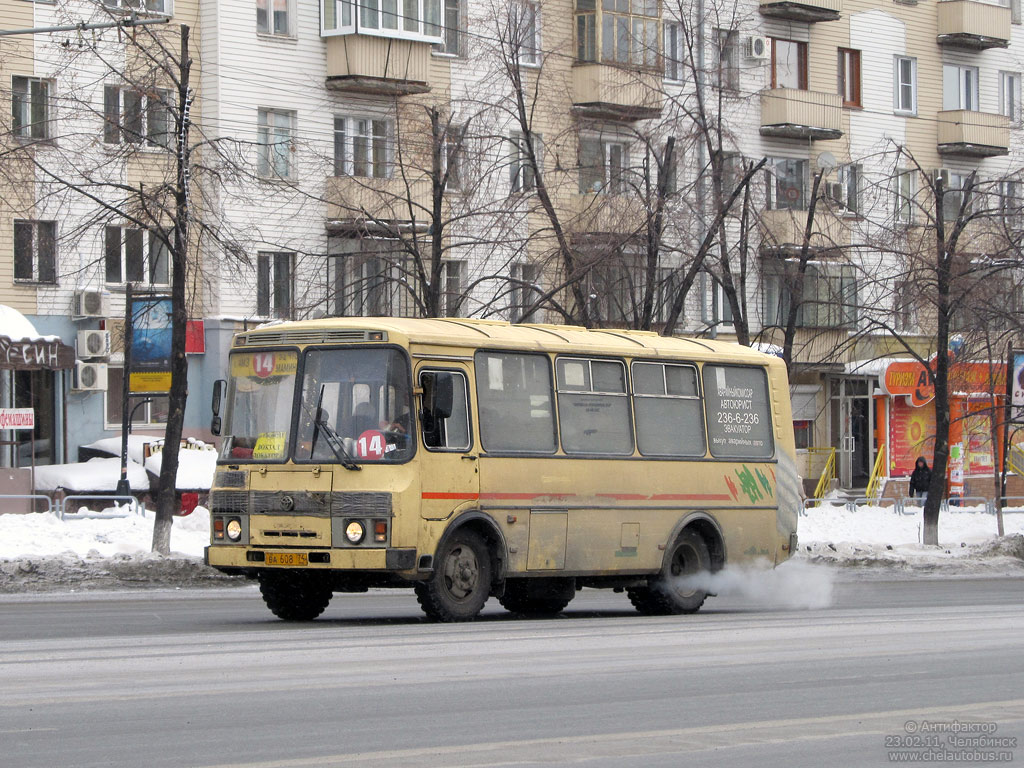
{"x": 452, "y": 433}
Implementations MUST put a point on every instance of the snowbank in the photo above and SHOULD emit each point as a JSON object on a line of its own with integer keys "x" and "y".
{"x": 98, "y": 475}
{"x": 195, "y": 468}
{"x": 136, "y": 446}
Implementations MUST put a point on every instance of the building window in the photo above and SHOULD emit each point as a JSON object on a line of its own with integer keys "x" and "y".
{"x": 273, "y": 17}
{"x": 1009, "y": 96}
{"x": 604, "y": 165}
{"x": 274, "y": 287}
{"x": 725, "y": 59}
{"x": 275, "y": 144}
{"x": 521, "y": 170}
{"x": 906, "y": 190}
{"x": 453, "y": 29}
{"x": 629, "y": 32}
{"x": 903, "y": 299}
{"x": 787, "y": 182}
{"x": 150, "y": 6}
{"x": 30, "y": 107}
{"x": 665, "y": 292}
{"x": 845, "y": 193}
{"x": 959, "y": 87}
{"x": 1010, "y": 202}
{"x": 135, "y": 256}
{"x": 361, "y": 147}
{"x": 425, "y": 20}
{"x": 147, "y": 414}
{"x": 829, "y": 294}
{"x": 905, "y": 85}
{"x": 371, "y": 277}
{"x": 849, "y": 77}
{"x": 524, "y": 20}
{"x": 35, "y": 251}
{"x": 137, "y": 117}
{"x": 454, "y": 277}
{"x": 525, "y": 292}
{"x": 721, "y": 309}
{"x": 454, "y": 156}
{"x": 789, "y": 64}
{"x": 674, "y": 51}
{"x": 803, "y": 434}
{"x": 953, "y": 194}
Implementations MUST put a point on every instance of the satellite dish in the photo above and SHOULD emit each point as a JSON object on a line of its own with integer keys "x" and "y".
{"x": 827, "y": 161}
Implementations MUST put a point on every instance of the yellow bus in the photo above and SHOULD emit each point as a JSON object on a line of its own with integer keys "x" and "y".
{"x": 471, "y": 458}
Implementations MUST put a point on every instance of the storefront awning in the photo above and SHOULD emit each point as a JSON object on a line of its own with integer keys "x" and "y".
{"x": 22, "y": 348}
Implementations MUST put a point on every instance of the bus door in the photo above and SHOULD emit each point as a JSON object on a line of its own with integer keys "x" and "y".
{"x": 449, "y": 468}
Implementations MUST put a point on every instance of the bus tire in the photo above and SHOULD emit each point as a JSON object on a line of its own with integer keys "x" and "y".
{"x": 294, "y": 595}
{"x": 461, "y": 581}
{"x": 537, "y": 597}
{"x": 663, "y": 595}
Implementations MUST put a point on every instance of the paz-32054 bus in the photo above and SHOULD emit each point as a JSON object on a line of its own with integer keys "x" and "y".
{"x": 470, "y": 458}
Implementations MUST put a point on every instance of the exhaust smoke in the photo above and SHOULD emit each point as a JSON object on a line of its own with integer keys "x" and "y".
{"x": 793, "y": 585}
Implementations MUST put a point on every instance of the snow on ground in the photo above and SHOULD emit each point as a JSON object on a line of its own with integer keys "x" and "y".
{"x": 41, "y": 552}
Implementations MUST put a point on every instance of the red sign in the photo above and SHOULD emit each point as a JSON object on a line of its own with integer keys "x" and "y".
{"x": 912, "y": 380}
{"x": 370, "y": 444}
{"x": 911, "y": 434}
{"x": 195, "y": 337}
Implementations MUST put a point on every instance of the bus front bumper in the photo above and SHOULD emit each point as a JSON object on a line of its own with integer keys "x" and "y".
{"x": 235, "y": 559}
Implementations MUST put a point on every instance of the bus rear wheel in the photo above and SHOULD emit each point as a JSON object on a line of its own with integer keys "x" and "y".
{"x": 538, "y": 597}
{"x": 461, "y": 582}
{"x": 668, "y": 593}
{"x": 294, "y": 595}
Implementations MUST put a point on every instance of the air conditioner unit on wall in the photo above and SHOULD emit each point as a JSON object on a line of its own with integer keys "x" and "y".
{"x": 757, "y": 47}
{"x": 90, "y": 377}
{"x": 93, "y": 343}
{"x": 89, "y": 304}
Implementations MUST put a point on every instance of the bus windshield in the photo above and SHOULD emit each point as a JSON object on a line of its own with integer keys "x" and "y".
{"x": 358, "y": 398}
{"x": 259, "y": 409}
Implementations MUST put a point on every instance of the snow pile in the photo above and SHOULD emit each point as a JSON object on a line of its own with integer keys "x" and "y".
{"x": 136, "y": 446}
{"x": 95, "y": 475}
{"x": 195, "y": 468}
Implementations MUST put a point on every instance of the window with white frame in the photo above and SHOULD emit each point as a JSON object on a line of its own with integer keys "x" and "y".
{"x": 362, "y": 147}
{"x": 275, "y": 143}
{"x": 371, "y": 277}
{"x": 30, "y": 107}
{"x": 409, "y": 19}
{"x": 905, "y": 85}
{"x": 904, "y": 297}
{"x": 829, "y": 293}
{"x": 454, "y": 155}
{"x": 721, "y": 309}
{"x": 954, "y": 188}
{"x": 905, "y": 189}
{"x": 275, "y": 287}
{"x": 725, "y": 59}
{"x": 1011, "y": 203}
{"x": 521, "y": 171}
{"x": 787, "y": 184}
{"x": 137, "y": 117}
{"x": 665, "y": 291}
{"x": 454, "y": 29}
{"x": 845, "y": 191}
{"x": 135, "y": 256}
{"x": 525, "y": 291}
{"x": 524, "y": 23}
{"x": 35, "y": 251}
{"x": 274, "y": 17}
{"x": 142, "y": 413}
{"x": 959, "y": 87}
{"x": 453, "y": 275}
{"x": 165, "y": 7}
{"x": 1009, "y": 96}
{"x": 604, "y": 166}
{"x": 673, "y": 51}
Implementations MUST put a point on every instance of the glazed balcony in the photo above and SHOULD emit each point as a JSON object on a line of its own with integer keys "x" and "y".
{"x": 974, "y": 25}
{"x": 808, "y": 11}
{"x": 381, "y": 66}
{"x": 788, "y": 113}
{"x": 973, "y": 134}
{"x": 605, "y": 92}
{"x": 353, "y": 200}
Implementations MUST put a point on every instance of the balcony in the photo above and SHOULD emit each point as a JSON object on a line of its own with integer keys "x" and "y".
{"x": 381, "y": 66}
{"x": 973, "y": 134}
{"x": 592, "y": 213}
{"x": 788, "y": 113}
{"x": 356, "y": 203}
{"x": 808, "y": 11}
{"x": 782, "y": 231}
{"x": 974, "y": 25}
{"x": 604, "y": 92}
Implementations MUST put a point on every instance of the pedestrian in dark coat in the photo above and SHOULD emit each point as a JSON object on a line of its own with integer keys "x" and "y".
{"x": 920, "y": 479}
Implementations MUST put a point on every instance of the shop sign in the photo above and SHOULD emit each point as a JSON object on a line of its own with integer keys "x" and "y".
{"x": 910, "y": 379}
{"x": 17, "y": 418}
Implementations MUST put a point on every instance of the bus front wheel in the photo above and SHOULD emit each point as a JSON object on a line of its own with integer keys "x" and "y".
{"x": 294, "y": 595}
{"x": 673, "y": 591}
{"x": 461, "y": 582}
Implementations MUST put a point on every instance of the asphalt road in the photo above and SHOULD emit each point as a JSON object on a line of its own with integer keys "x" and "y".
{"x": 210, "y": 678}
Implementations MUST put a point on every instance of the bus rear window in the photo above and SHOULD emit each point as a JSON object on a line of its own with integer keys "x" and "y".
{"x": 514, "y": 397}
{"x": 738, "y": 413}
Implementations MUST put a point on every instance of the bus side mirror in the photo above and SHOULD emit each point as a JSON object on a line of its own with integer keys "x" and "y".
{"x": 438, "y": 394}
{"x": 218, "y": 394}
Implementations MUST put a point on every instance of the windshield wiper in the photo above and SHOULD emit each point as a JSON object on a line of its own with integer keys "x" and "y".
{"x": 334, "y": 441}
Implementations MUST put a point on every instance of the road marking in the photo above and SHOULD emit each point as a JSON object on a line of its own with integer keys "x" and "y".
{"x": 563, "y": 749}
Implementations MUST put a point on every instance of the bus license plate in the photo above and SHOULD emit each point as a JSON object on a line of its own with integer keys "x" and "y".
{"x": 287, "y": 558}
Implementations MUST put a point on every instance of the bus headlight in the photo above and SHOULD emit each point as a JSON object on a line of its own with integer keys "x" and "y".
{"x": 234, "y": 529}
{"x": 355, "y": 532}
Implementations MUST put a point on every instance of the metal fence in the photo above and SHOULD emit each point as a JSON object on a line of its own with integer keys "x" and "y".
{"x": 122, "y": 506}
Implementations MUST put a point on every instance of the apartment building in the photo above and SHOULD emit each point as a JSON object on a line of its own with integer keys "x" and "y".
{"x": 512, "y": 160}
